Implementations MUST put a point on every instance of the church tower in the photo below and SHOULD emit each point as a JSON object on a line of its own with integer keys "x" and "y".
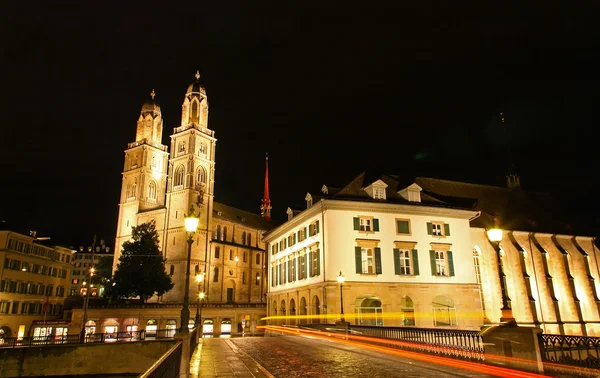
{"x": 265, "y": 207}
{"x": 190, "y": 187}
{"x": 144, "y": 173}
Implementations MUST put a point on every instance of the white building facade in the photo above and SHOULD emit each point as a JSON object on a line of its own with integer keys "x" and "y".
{"x": 405, "y": 262}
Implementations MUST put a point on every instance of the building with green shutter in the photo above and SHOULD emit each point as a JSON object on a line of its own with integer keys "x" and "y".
{"x": 406, "y": 259}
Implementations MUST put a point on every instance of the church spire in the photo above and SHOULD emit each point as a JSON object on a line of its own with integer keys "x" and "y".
{"x": 512, "y": 178}
{"x": 265, "y": 207}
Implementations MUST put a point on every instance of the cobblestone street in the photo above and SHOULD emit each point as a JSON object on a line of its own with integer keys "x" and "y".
{"x": 296, "y": 356}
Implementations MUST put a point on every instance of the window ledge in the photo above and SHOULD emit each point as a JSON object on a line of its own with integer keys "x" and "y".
{"x": 407, "y": 275}
{"x": 366, "y": 232}
{"x": 368, "y": 274}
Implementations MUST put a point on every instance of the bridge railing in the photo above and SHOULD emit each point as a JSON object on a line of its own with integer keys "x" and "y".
{"x": 571, "y": 350}
{"x": 168, "y": 366}
{"x": 29, "y": 341}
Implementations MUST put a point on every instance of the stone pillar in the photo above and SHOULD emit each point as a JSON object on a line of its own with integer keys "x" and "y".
{"x": 513, "y": 347}
{"x": 184, "y": 367}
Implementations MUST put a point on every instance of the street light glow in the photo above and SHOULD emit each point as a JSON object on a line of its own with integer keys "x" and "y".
{"x": 340, "y": 278}
{"x": 191, "y": 223}
{"x": 200, "y": 277}
{"x": 201, "y": 295}
{"x": 494, "y": 234}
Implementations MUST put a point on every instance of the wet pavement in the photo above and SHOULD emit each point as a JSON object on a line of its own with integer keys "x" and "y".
{"x": 297, "y": 356}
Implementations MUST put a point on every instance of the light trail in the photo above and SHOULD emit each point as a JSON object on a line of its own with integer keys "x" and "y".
{"x": 356, "y": 341}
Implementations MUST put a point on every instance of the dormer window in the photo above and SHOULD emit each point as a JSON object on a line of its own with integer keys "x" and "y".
{"x": 411, "y": 193}
{"x": 377, "y": 190}
{"x": 309, "y": 200}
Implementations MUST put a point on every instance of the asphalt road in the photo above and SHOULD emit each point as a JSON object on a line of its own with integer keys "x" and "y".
{"x": 300, "y": 356}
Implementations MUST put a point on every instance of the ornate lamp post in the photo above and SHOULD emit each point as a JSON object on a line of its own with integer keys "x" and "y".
{"x": 86, "y": 300}
{"x": 199, "y": 279}
{"x": 191, "y": 224}
{"x": 341, "y": 279}
{"x": 495, "y": 237}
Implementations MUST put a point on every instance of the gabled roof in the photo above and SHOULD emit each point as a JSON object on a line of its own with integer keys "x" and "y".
{"x": 230, "y": 213}
{"x": 515, "y": 208}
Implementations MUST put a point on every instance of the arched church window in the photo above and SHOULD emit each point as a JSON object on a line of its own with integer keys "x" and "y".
{"x": 249, "y": 239}
{"x": 202, "y": 148}
{"x": 224, "y": 233}
{"x": 172, "y": 270}
{"x": 217, "y": 232}
{"x": 194, "y": 112}
{"x": 179, "y": 173}
{"x": 216, "y": 275}
{"x": 243, "y": 237}
{"x": 133, "y": 188}
{"x": 134, "y": 161}
{"x": 152, "y": 190}
{"x": 154, "y": 163}
{"x": 200, "y": 176}
{"x": 181, "y": 148}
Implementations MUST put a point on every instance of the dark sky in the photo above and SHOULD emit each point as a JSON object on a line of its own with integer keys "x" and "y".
{"x": 327, "y": 91}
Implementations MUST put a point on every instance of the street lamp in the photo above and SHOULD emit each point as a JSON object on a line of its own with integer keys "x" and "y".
{"x": 199, "y": 314}
{"x": 199, "y": 279}
{"x": 495, "y": 237}
{"x": 86, "y": 300}
{"x": 341, "y": 279}
{"x": 191, "y": 224}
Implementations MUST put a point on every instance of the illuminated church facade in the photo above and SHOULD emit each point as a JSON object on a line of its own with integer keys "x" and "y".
{"x": 162, "y": 184}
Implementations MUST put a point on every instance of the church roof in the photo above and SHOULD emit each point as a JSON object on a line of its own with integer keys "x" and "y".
{"x": 150, "y": 105}
{"x": 514, "y": 208}
{"x": 230, "y": 213}
{"x": 196, "y": 87}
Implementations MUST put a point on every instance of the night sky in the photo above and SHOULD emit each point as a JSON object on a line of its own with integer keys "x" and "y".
{"x": 327, "y": 91}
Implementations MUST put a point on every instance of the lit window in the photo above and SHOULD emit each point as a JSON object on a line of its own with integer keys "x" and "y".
{"x": 378, "y": 193}
{"x": 405, "y": 266}
{"x": 440, "y": 263}
{"x": 368, "y": 260}
{"x": 444, "y": 312}
{"x": 438, "y": 229}
{"x": 365, "y": 224}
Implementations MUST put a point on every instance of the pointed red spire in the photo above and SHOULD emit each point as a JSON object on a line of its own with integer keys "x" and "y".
{"x": 265, "y": 207}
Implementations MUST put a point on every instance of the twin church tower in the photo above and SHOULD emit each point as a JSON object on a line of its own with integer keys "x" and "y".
{"x": 162, "y": 188}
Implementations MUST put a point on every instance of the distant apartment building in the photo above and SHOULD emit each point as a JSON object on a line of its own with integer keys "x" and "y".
{"x": 83, "y": 260}
{"x": 34, "y": 279}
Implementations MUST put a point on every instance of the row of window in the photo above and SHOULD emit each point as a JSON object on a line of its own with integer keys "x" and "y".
{"x": 295, "y": 237}
{"x": 30, "y": 308}
{"x": 30, "y": 288}
{"x": 36, "y": 250}
{"x": 179, "y": 176}
{"x": 295, "y": 269}
{"x": 233, "y": 257}
{"x": 221, "y": 234}
{"x": 181, "y": 148}
{"x": 34, "y": 268}
{"x": 403, "y": 226}
{"x": 406, "y": 262}
{"x": 216, "y": 274}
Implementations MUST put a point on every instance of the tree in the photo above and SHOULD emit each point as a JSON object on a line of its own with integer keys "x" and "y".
{"x": 141, "y": 269}
{"x": 103, "y": 274}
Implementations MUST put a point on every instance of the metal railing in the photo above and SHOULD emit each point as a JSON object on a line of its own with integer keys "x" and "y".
{"x": 571, "y": 350}
{"x": 12, "y": 342}
{"x": 167, "y": 366}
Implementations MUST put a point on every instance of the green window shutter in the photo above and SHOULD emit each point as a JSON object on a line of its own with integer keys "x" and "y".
{"x": 429, "y": 228}
{"x": 446, "y": 229}
{"x": 284, "y": 243}
{"x": 285, "y": 273}
{"x": 375, "y": 224}
{"x": 378, "y": 260}
{"x": 396, "y": 261}
{"x": 299, "y": 240}
{"x": 318, "y": 262}
{"x": 450, "y": 264}
{"x": 304, "y": 267}
{"x": 294, "y": 238}
{"x": 403, "y": 227}
{"x": 305, "y": 232}
{"x": 358, "y": 259}
{"x": 415, "y": 261}
{"x": 432, "y": 260}
{"x": 317, "y": 225}
{"x": 298, "y": 268}
{"x": 356, "y": 224}
{"x": 309, "y": 263}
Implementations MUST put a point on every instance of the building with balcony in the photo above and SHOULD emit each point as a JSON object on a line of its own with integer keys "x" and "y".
{"x": 34, "y": 279}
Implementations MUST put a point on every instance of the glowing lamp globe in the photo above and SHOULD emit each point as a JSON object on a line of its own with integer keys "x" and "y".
{"x": 495, "y": 234}
{"x": 191, "y": 223}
